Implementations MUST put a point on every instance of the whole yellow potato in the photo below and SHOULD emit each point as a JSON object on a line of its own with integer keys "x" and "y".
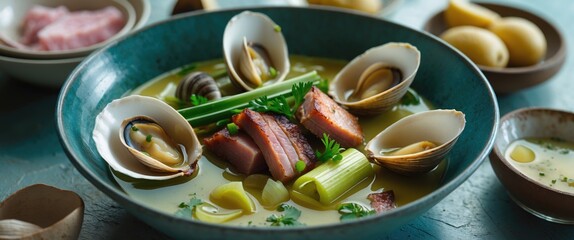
{"x": 370, "y": 6}
{"x": 480, "y": 45}
{"x": 525, "y": 41}
{"x": 463, "y": 12}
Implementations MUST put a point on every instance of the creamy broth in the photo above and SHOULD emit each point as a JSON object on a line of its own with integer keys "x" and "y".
{"x": 551, "y": 164}
{"x": 167, "y": 195}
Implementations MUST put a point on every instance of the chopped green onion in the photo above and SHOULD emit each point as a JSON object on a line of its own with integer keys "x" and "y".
{"x": 277, "y": 28}
{"x": 232, "y": 128}
{"x": 541, "y": 174}
{"x": 272, "y": 72}
{"x": 135, "y": 129}
{"x": 222, "y": 122}
{"x": 148, "y": 138}
{"x": 300, "y": 166}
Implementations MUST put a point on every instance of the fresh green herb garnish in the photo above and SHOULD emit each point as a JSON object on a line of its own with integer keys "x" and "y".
{"x": 277, "y": 28}
{"x": 197, "y": 100}
{"x": 186, "y": 69}
{"x": 276, "y": 105}
{"x": 351, "y": 211}
{"x": 300, "y": 166}
{"x": 272, "y": 72}
{"x": 135, "y": 129}
{"x": 289, "y": 217}
{"x": 554, "y": 181}
{"x": 186, "y": 209}
{"x": 332, "y": 150}
{"x": 411, "y": 98}
{"x": 232, "y": 128}
{"x": 148, "y": 138}
{"x": 323, "y": 85}
{"x": 299, "y": 90}
{"x": 564, "y": 151}
{"x": 541, "y": 174}
{"x": 279, "y": 104}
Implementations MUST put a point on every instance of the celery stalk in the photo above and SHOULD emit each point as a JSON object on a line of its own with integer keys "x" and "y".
{"x": 329, "y": 181}
{"x": 214, "y": 111}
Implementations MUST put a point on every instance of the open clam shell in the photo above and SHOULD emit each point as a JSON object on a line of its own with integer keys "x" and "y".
{"x": 246, "y": 35}
{"x": 363, "y": 74}
{"x": 111, "y": 121}
{"x": 441, "y": 127}
{"x": 41, "y": 212}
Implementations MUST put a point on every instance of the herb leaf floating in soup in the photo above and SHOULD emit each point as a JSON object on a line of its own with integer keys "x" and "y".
{"x": 548, "y": 161}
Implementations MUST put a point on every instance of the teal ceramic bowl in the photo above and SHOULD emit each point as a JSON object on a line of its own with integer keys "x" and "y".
{"x": 445, "y": 77}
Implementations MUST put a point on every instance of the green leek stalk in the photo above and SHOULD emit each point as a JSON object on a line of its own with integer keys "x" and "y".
{"x": 224, "y": 108}
{"x": 329, "y": 181}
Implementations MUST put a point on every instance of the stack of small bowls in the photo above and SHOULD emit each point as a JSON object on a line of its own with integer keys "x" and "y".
{"x": 51, "y": 68}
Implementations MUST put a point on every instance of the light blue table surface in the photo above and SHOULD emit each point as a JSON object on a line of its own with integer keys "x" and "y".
{"x": 479, "y": 209}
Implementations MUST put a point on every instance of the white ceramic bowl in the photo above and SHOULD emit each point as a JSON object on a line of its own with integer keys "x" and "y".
{"x": 142, "y": 10}
{"x": 12, "y": 13}
{"x": 44, "y": 72}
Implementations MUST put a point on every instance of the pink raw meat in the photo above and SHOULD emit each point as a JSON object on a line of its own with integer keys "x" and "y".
{"x": 37, "y": 18}
{"x": 81, "y": 29}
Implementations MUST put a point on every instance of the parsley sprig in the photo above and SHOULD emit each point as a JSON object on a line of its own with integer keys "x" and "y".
{"x": 186, "y": 209}
{"x": 351, "y": 211}
{"x": 280, "y": 104}
{"x": 289, "y": 217}
{"x": 197, "y": 100}
{"x": 332, "y": 150}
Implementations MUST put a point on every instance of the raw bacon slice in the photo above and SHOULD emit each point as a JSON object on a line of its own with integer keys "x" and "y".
{"x": 238, "y": 149}
{"x": 81, "y": 29}
{"x": 280, "y": 148}
{"x": 37, "y": 18}
{"x": 382, "y": 201}
{"x": 320, "y": 114}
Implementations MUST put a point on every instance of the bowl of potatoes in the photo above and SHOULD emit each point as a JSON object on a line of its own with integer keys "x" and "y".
{"x": 514, "y": 48}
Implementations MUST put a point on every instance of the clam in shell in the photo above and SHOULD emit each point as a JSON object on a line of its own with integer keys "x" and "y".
{"x": 119, "y": 116}
{"x": 255, "y": 51}
{"x": 417, "y": 143}
{"x": 376, "y": 80}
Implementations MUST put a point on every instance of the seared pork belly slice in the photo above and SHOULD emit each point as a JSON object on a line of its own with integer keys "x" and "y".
{"x": 238, "y": 149}
{"x": 321, "y": 114}
{"x": 298, "y": 139}
{"x": 81, "y": 29}
{"x": 37, "y": 18}
{"x": 280, "y": 148}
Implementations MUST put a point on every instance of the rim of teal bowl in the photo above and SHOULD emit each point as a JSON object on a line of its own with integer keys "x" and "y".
{"x": 418, "y": 205}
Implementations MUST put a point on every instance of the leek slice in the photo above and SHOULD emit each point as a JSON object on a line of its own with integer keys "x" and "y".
{"x": 329, "y": 181}
{"x": 232, "y": 196}
{"x": 208, "y": 213}
{"x": 274, "y": 193}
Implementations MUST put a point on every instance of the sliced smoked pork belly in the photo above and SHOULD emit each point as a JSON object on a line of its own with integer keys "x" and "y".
{"x": 320, "y": 114}
{"x": 238, "y": 149}
{"x": 37, "y": 18}
{"x": 81, "y": 29}
{"x": 280, "y": 148}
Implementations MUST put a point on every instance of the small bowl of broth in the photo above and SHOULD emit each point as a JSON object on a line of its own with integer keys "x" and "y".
{"x": 532, "y": 158}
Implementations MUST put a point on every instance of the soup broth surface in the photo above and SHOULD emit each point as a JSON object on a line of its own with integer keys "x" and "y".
{"x": 551, "y": 164}
{"x": 167, "y": 195}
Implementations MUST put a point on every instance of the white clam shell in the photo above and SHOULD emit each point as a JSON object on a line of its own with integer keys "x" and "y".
{"x": 41, "y": 212}
{"x": 441, "y": 127}
{"x": 399, "y": 55}
{"x": 258, "y": 28}
{"x": 110, "y": 147}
